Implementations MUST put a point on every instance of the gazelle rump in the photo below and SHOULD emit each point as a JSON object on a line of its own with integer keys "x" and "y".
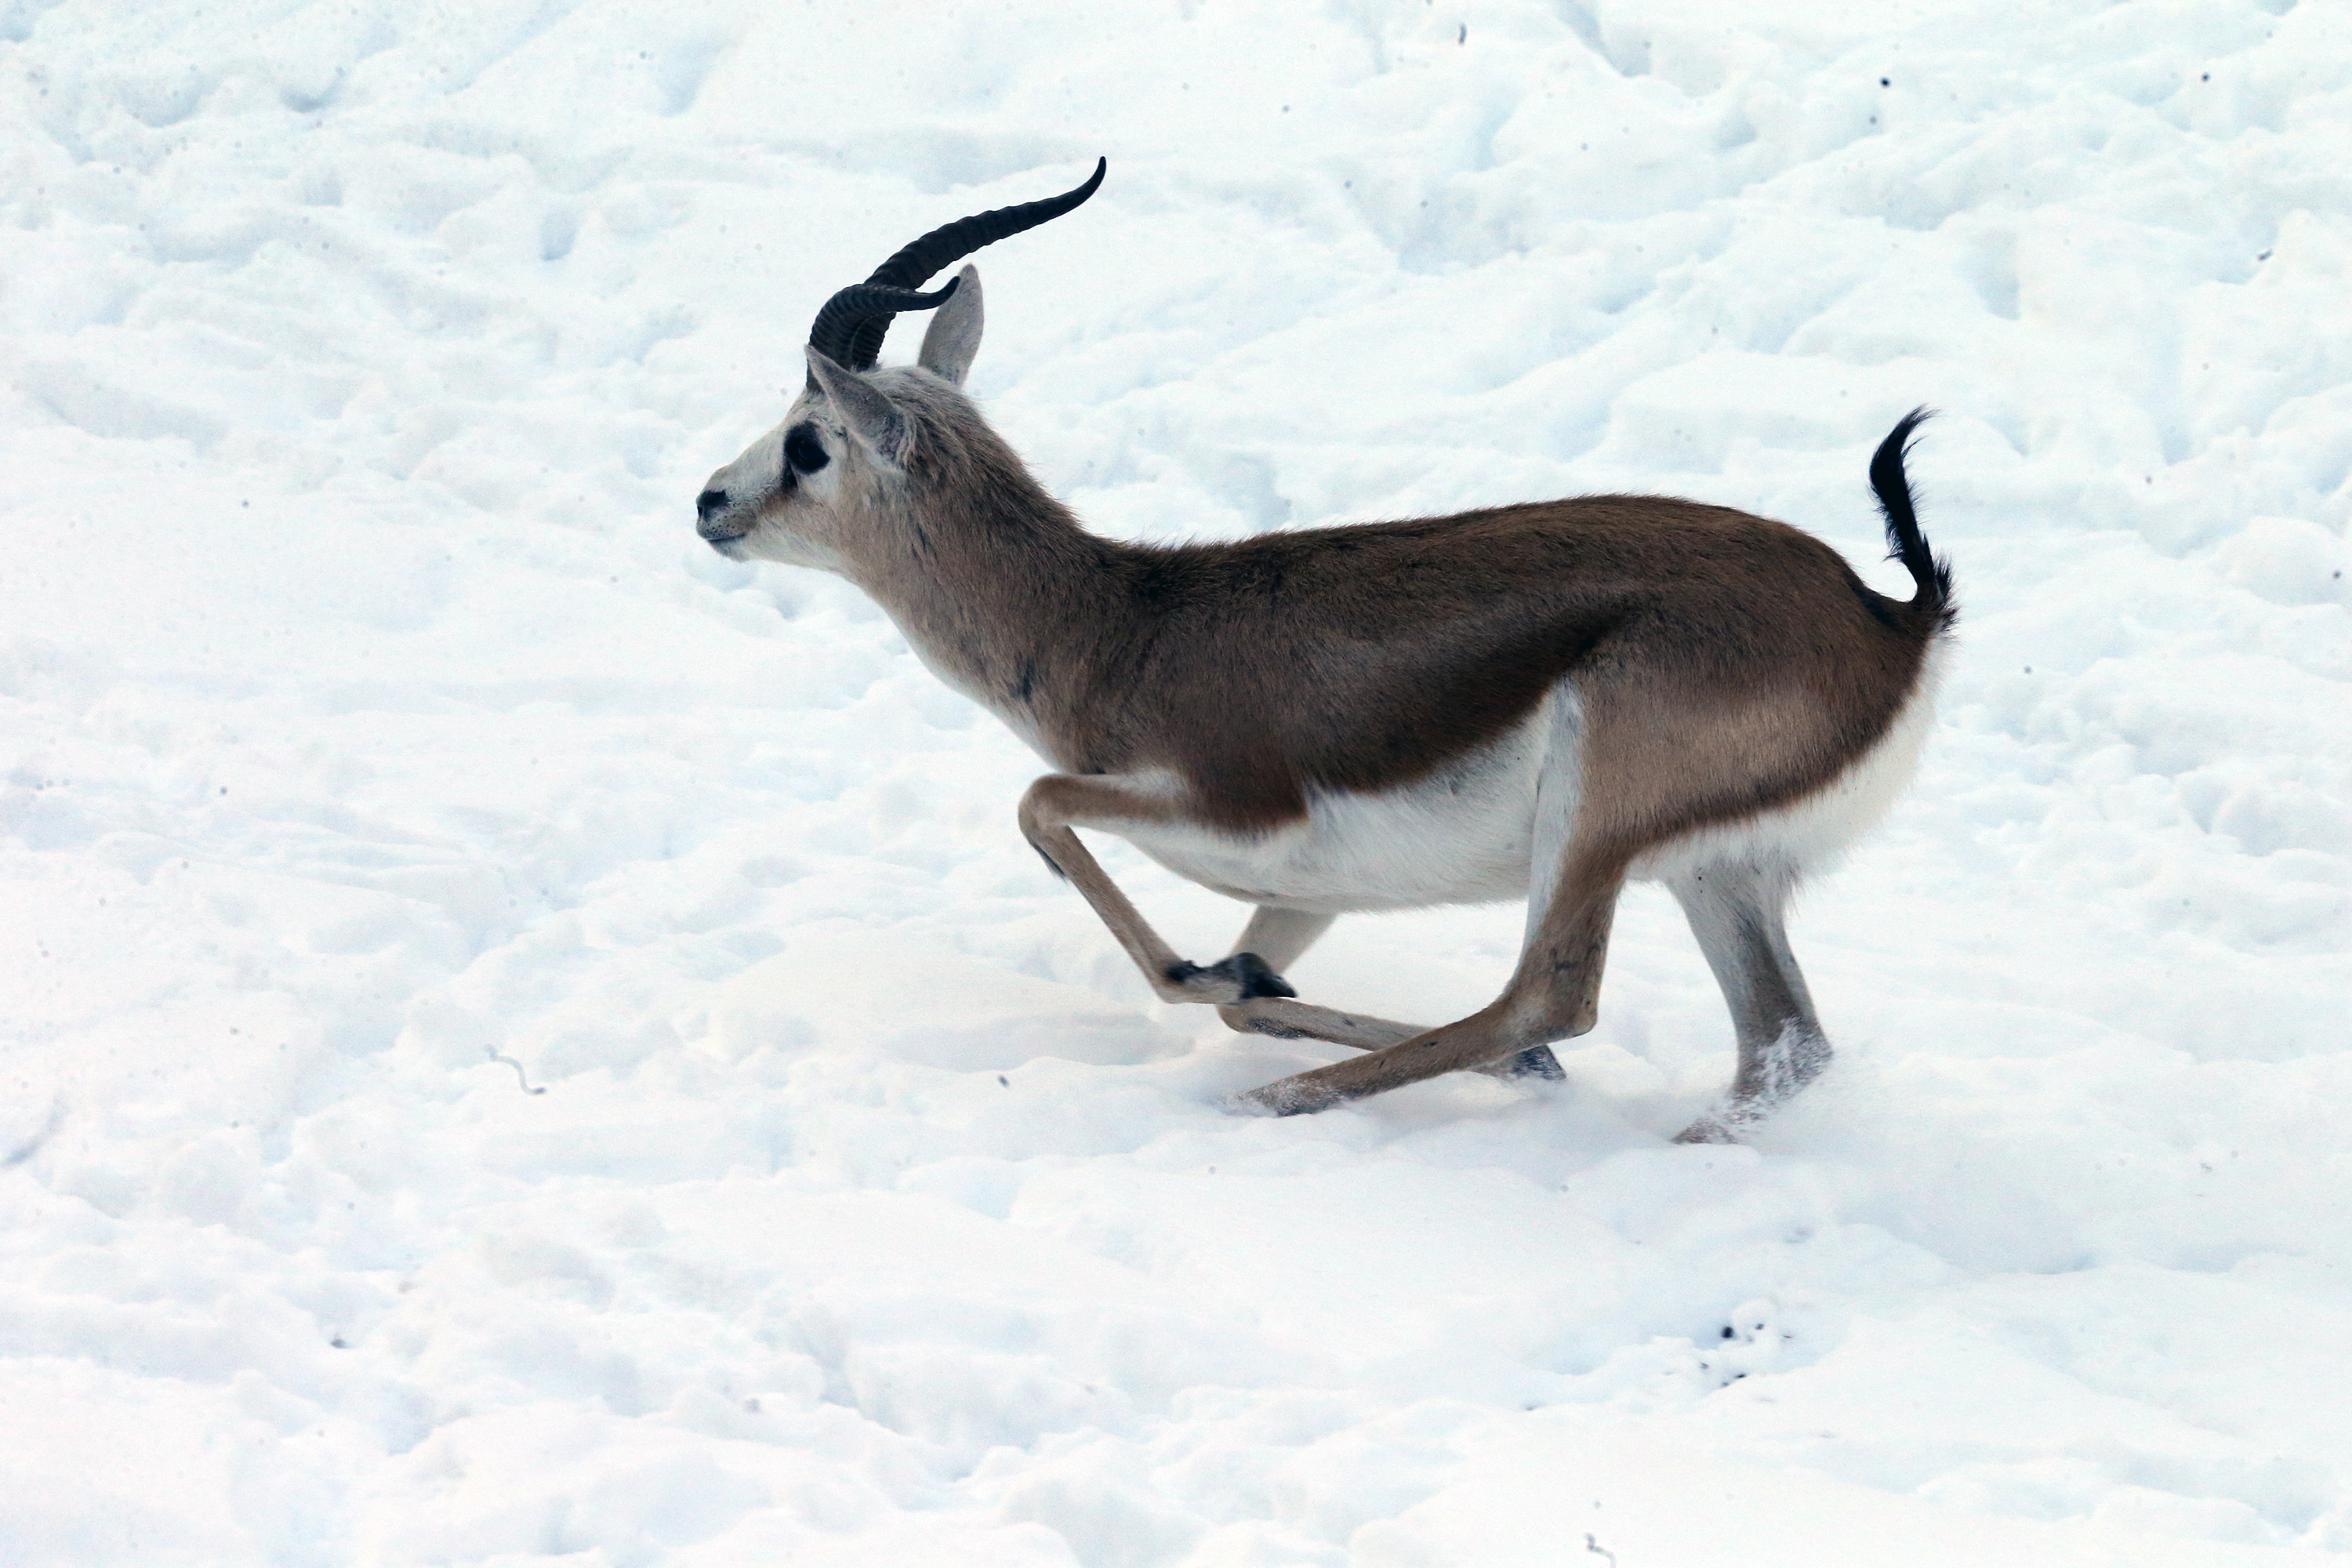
{"x": 1535, "y": 701}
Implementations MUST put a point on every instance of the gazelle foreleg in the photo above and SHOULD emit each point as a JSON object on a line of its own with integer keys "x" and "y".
{"x": 1736, "y": 912}
{"x": 1055, "y": 804}
{"x": 1283, "y": 1019}
{"x": 1555, "y": 993}
{"x": 1279, "y": 937}
{"x": 1251, "y": 996}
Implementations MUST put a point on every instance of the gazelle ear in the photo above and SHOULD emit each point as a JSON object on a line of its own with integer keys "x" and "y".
{"x": 874, "y": 422}
{"x": 953, "y": 336}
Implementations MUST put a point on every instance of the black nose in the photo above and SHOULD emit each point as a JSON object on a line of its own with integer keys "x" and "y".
{"x": 709, "y": 501}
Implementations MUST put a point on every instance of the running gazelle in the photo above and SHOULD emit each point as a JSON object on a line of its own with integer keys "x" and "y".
{"x": 1533, "y": 701}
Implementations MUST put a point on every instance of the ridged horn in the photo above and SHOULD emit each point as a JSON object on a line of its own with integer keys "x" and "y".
{"x": 850, "y": 329}
{"x": 857, "y": 307}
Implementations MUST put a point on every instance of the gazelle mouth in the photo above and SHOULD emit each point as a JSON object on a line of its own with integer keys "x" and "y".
{"x": 718, "y": 530}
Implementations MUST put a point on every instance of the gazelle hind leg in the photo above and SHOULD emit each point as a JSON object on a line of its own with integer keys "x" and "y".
{"x": 1280, "y": 937}
{"x": 1554, "y": 994}
{"x": 1282, "y": 1018}
{"x": 1736, "y": 910}
{"x": 1584, "y": 895}
{"x": 1239, "y": 983}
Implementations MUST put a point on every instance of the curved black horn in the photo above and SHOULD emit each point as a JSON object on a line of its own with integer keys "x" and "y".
{"x": 858, "y": 305}
{"x": 858, "y": 328}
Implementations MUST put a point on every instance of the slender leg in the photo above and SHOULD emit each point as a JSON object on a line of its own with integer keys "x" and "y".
{"x": 1560, "y": 798}
{"x": 1253, "y": 997}
{"x": 1554, "y": 995}
{"x": 1284, "y": 1019}
{"x": 1736, "y": 911}
{"x": 1056, "y": 802}
{"x": 1514, "y": 1043}
{"x": 1244, "y": 986}
{"x": 1279, "y": 937}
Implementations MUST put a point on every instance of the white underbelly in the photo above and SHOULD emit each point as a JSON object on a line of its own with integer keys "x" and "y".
{"x": 1469, "y": 833}
{"x": 1460, "y": 835}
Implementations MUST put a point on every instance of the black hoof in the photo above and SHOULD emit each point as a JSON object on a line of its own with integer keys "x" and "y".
{"x": 1537, "y": 1061}
{"x": 1249, "y": 973}
{"x": 1255, "y": 977}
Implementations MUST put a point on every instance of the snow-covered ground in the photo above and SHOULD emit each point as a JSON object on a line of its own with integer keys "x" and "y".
{"x": 368, "y": 709}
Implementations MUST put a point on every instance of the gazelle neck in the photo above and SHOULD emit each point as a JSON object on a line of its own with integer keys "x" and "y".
{"x": 1006, "y": 598}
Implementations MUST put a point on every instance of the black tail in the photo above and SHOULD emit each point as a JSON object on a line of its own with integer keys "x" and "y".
{"x": 1905, "y": 542}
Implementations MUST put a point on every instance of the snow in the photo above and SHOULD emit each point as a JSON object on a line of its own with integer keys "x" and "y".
{"x": 369, "y": 711}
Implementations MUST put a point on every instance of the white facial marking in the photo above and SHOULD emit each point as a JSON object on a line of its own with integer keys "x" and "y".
{"x": 775, "y": 512}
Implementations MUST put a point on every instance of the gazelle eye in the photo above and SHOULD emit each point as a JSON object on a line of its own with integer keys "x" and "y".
{"x": 803, "y": 451}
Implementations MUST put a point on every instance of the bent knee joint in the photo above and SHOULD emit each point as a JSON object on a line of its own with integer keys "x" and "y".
{"x": 1541, "y": 1019}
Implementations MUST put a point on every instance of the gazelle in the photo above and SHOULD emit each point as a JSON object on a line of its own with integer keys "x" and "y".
{"x": 1533, "y": 701}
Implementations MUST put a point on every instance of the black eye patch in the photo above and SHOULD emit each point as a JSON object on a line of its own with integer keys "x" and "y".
{"x": 803, "y": 451}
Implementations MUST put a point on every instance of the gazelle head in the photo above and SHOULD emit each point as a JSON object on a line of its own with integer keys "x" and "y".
{"x": 807, "y": 493}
